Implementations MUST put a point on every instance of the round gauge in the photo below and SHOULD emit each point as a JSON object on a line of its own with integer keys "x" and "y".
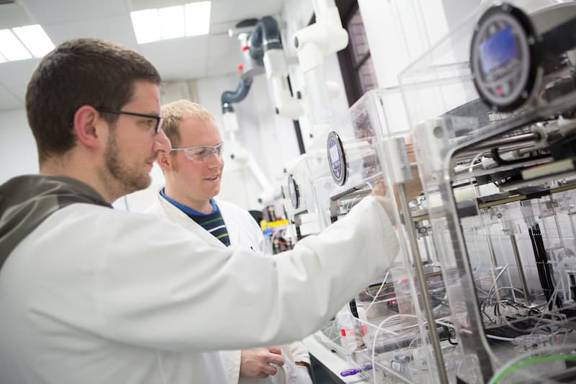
{"x": 293, "y": 192}
{"x": 502, "y": 57}
{"x": 336, "y": 158}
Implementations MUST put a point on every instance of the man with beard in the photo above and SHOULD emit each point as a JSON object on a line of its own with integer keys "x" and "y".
{"x": 93, "y": 295}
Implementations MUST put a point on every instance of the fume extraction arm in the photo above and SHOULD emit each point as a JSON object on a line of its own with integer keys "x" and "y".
{"x": 262, "y": 51}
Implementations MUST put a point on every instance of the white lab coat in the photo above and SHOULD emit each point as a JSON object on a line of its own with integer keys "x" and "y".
{"x": 244, "y": 233}
{"x": 95, "y": 295}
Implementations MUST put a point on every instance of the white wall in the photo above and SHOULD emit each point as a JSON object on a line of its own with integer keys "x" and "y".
{"x": 399, "y": 31}
{"x": 17, "y": 147}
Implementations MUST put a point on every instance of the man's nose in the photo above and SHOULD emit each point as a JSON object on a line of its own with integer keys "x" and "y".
{"x": 161, "y": 142}
{"x": 216, "y": 159}
{"x": 214, "y": 162}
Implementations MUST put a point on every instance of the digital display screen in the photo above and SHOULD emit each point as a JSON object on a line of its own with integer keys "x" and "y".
{"x": 498, "y": 49}
{"x": 334, "y": 157}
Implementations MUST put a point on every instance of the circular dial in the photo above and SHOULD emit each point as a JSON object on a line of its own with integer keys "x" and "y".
{"x": 293, "y": 192}
{"x": 502, "y": 57}
{"x": 336, "y": 158}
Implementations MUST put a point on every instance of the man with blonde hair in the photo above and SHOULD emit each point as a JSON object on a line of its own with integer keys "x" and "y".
{"x": 193, "y": 173}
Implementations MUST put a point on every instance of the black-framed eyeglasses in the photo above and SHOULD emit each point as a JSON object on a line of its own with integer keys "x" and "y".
{"x": 153, "y": 121}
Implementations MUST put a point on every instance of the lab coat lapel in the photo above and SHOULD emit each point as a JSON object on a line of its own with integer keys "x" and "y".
{"x": 181, "y": 218}
{"x": 230, "y": 222}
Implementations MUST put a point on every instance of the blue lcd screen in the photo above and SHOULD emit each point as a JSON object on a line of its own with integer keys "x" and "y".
{"x": 334, "y": 158}
{"x": 498, "y": 50}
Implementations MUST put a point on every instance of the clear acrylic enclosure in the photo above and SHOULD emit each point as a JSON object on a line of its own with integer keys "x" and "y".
{"x": 498, "y": 173}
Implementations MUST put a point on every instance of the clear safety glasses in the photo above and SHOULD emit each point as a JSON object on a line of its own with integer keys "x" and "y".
{"x": 201, "y": 152}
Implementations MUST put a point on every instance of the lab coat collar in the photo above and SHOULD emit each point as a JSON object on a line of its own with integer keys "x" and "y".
{"x": 180, "y": 217}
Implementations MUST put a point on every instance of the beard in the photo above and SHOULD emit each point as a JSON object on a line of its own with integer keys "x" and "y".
{"x": 121, "y": 176}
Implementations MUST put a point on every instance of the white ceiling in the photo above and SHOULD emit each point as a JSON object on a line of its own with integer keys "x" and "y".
{"x": 188, "y": 58}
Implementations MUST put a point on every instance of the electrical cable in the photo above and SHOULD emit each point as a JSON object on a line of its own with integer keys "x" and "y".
{"x": 510, "y": 369}
{"x": 378, "y": 292}
{"x": 378, "y": 329}
{"x": 476, "y": 189}
{"x": 504, "y": 268}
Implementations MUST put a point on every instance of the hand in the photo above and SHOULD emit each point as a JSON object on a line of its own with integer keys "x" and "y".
{"x": 379, "y": 189}
{"x": 410, "y": 149}
{"x": 380, "y": 192}
{"x": 258, "y": 362}
{"x": 413, "y": 187}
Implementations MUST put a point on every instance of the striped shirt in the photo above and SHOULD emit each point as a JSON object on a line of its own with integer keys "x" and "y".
{"x": 212, "y": 222}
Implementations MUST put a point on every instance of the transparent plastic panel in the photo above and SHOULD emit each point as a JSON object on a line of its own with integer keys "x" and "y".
{"x": 500, "y": 188}
{"x": 384, "y": 327}
{"x": 306, "y": 191}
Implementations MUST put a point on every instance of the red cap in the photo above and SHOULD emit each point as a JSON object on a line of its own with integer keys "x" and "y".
{"x": 342, "y": 332}
{"x": 240, "y": 67}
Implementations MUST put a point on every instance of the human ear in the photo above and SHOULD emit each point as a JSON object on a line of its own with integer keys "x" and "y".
{"x": 88, "y": 127}
{"x": 164, "y": 160}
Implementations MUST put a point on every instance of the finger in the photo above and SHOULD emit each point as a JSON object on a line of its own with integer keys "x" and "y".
{"x": 268, "y": 370}
{"x": 275, "y": 359}
{"x": 379, "y": 189}
{"x": 275, "y": 350}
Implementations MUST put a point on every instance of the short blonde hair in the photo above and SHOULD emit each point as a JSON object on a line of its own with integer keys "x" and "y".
{"x": 173, "y": 113}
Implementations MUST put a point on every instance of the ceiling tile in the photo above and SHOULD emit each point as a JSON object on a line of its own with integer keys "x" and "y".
{"x": 14, "y": 76}
{"x": 117, "y": 29}
{"x": 9, "y": 101}
{"x": 227, "y": 10}
{"x": 63, "y": 11}
{"x": 178, "y": 59}
{"x": 224, "y": 45}
{"x": 13, "y": 15}
{"x": 221, "y": 65}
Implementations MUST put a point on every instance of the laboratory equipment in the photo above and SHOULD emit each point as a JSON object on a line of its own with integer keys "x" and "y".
{"x": 261, "y": 52}
{"x": 492, "y": 109}
{"x": 386, "y": 325}
{"x": 305, "y": 194}
{"x": 314, "y": 44}
{"x": 484, "y": 287}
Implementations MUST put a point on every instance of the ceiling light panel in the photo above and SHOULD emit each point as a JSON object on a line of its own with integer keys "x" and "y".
{"x": 35, "y": 39}
{"x": 145, "y": 23}
{"x": 26, "y": 42}
{"x": 11, "y": 48}
{"x": 173, "y": 22}
{"x": 198, "y": 18}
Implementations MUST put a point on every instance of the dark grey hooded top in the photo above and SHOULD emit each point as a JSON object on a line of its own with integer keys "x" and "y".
{"x": 26, "y": 201}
